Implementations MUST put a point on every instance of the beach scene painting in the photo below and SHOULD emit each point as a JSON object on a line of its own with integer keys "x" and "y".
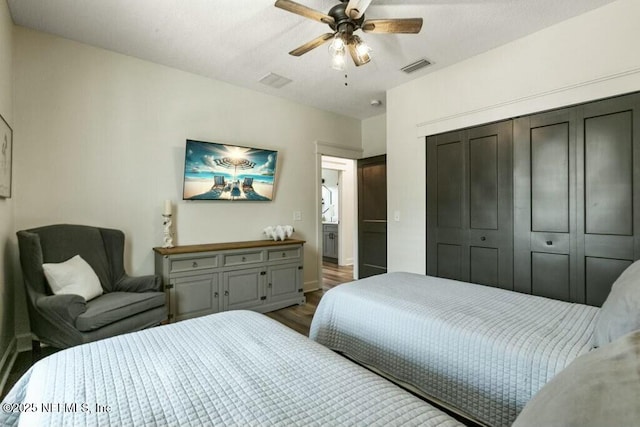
{"x": 214, "y": 171}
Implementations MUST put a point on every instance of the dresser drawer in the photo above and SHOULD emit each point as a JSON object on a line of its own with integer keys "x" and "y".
{"x": 243, "y": 258}
{"x": 191, "y": 263}
{"x": 284, "y": 254}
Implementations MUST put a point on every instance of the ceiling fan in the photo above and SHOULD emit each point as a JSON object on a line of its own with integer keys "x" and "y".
{"x": 344, "y": 19}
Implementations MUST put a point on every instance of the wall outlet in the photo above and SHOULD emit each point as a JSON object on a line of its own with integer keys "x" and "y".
{"x": 297, "y": 216}
{"x": 396, "y": 216}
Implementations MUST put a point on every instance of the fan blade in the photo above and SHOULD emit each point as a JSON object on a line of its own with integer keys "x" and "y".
{"x": 405, "y": 26}
{"x": 307, "y": 12}
{"x": 355, "y": 8}
{"x": 356, "y": 58}
{"x": 312, "y": 44}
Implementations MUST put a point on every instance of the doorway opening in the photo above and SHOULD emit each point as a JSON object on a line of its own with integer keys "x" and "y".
{"x": 338, "y": 220}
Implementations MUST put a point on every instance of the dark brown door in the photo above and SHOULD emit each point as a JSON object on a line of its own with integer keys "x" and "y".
{"x": 608, "y": 159}
{"x": 545, "y": 208}
{"x": 372, "y": 216}
{"x": 577, "y": 199}
{"x": 469, "y": 205}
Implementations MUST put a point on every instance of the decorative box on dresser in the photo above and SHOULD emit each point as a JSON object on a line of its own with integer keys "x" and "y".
{"x": 259, "y": 275}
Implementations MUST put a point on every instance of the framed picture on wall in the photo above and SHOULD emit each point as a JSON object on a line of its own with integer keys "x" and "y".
{"x": 214, "y": 171}
{"x": 6, "y": 146}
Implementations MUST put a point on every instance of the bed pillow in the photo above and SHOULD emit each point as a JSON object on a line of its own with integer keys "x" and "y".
{"x": 620, "y": 313}
{"x": 600, "y": 388}
{"x": 74, "y": 276}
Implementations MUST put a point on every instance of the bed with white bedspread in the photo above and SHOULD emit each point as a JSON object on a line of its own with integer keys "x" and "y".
{"x": 483, "y": 351}
{"x": 232, "y": 368}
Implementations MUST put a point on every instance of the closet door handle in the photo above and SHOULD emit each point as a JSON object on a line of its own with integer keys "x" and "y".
{"x": 226, "y": 293}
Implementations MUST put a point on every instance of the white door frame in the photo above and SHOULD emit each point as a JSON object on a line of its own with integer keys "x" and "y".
{"x": 333, "y": 150}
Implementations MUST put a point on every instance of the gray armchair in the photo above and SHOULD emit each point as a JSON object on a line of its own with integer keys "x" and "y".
{"x": 127, "y": 304}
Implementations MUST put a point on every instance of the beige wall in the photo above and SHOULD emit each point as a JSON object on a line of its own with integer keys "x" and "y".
{"x": 588, "y": 57}
{"x": 101, "y": 141}
{"x": 7, "y": 254}
{"x": 374, "y": 136}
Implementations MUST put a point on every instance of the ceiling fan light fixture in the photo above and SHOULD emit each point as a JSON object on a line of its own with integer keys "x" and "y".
{"x": 337, "y": 45}
{"x": 362, "y": 49}
{"x": 344, "y": 19}
{"x": 338, "y": 60}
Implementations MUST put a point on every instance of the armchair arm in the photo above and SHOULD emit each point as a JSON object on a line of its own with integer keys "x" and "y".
{"x": 150, "y": 283}
{"x": 65, "y": 307}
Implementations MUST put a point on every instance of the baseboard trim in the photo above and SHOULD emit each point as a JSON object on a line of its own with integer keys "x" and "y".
{"x": 311, "y": 286}
{"x": 7, "y": 361}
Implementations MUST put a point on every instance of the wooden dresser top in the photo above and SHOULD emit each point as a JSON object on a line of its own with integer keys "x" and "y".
{"x": 210, "y": 247}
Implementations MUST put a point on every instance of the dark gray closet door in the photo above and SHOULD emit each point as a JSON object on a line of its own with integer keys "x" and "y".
{"x": 576, "y": 199}
{"x": 469, "y": 205}
{"x": 608, "y": 157}
{"x": 544, "y": 204}
{"x": 447, "y": 207}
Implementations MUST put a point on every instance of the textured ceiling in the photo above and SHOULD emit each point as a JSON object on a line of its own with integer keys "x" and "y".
{"x": 241, "y": 41}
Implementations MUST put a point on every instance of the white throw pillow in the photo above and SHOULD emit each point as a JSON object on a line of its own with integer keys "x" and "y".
{"x": 74, "y": 276}
{"x": 620, "y": 313}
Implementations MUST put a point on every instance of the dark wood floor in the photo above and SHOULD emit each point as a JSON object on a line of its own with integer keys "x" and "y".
{"x": 297, "y": 317}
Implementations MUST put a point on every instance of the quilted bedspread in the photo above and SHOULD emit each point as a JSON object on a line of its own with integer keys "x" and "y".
{"x": 234, "y": 368}
{"x": 482, "y": 350}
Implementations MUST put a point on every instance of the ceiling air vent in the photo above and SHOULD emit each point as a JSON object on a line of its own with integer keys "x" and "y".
{"x": 415, "y": 66}
{"x": 275, "y": 80}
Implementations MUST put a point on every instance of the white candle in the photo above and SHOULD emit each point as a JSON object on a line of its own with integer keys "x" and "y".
{"x": 167, "y": 207}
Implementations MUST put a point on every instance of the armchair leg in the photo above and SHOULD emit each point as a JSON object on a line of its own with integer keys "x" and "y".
{"x": 36, "y": 351}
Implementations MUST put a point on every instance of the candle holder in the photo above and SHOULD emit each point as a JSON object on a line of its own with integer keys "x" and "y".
{"x": 168, "y": 235}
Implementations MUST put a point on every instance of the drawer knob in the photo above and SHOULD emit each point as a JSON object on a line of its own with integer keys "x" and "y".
{"x": 215, "y": 295}
{"x": 194, "y": 265}
{"x": 244, "y": 258}
{"x": 284, "y": 255}
{"x": 483, "y": 238}
{"x": 226, "y": 293}
{"x": 269, "y": 285}
{"x": 549, "y": 243}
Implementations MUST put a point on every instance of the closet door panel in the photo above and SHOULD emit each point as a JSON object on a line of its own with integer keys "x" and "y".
{"x": 551, "y": 242}
{"x": 608, "y": 152}
{"x": 550, "y": 275}
{"x": 544, "y": 203}
{"x": 600, "y": 275}
{"x": 449, "y": 261}
{"x": 447, "y": 232}
{"x": 469, "y": 205}
{"x": 550, "y": 178}
{"x": 483, "y": 183}
{"x": 617, "y": 247}
{"x": 491, "y": 204}
{"x": 449, "y": 184}
{"x": 484, "y": 266}
{"x": 608, "y": 174}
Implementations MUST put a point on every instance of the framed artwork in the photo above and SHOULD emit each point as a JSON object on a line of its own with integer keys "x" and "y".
{"x": 214, "y": 171}
{"x": 6, "y": 148}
